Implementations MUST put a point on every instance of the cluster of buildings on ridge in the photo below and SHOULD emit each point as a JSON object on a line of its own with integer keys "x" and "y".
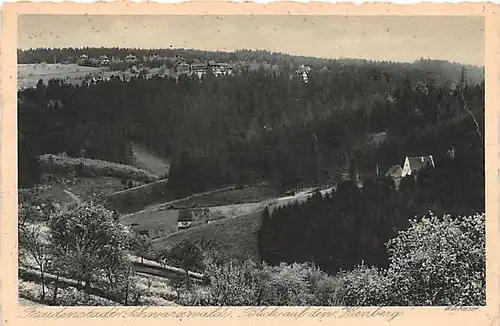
{"x": 201, "y": 69}
{"x": 181, "y": 66}
{"x": 105, "y": 60}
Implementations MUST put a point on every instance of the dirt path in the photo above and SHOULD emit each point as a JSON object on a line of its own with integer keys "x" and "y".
{"x": 162, "y": 206}
{"x": 149, "y": 161}
{"x": 253, "y": 208}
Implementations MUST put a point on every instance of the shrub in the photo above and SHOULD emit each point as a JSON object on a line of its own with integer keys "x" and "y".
{"x": 324, "y": 287}
{"x": 197, "y": 296}
{"x": 287, "y": 285}
{"x": 436, "y": 261}
{"x": 231, "y": 284}
{"x": 439, "y": 261}
{"x": 91, "y": 167}
{"x": 245, "y": 283}
{"x": 140, "y": 245}
{"x": 187, "y": 254}
{"x": 363, "y": 286}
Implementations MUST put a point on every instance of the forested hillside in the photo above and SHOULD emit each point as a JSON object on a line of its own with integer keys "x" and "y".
{"x": 257, "y": 124}
{"x": 245, "y": 57}
{"x": 352, "y": 225}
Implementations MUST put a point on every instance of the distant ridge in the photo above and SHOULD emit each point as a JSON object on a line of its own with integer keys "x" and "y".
{"x": 33, "y": 55}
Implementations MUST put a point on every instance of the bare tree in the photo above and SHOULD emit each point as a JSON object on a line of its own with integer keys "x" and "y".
{"x": 32, "y": 242}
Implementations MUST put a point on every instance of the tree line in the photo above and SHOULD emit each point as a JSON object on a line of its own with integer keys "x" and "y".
{"x": 244, "y": 56}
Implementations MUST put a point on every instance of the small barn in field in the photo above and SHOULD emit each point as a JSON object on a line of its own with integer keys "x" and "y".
{"x": 189, "y": 217}
{"x": 185, "y": 219}
{"x": 414, "y": 164}
{"x": 154, "y": 223}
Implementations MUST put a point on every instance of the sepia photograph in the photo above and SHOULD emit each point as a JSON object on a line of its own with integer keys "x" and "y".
{"x": 251, "y": 160}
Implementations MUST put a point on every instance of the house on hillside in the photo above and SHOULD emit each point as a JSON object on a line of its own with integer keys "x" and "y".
{"x": 183, "y": 68}
{"x": 152, "y": 223}
{"x": 185, "y": 219}
{"x": 199, "y": 69}
{"x": 82, "y": 59}
{"x": 103, "y": 60}
{"x": 303, "y": 73}
{"x": 155, "y": 57}
{"x": 134, "y": 70}
{"x": 414, "y": 164}
{"x": 220, "y": 68}
{"x": 178, "y": 59}
{"x": 130, "y": 58}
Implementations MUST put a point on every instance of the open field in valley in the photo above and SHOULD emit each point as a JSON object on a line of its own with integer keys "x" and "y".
{"x": 234, "y": 227}
{"x": 28, "y": 75}
{"x": 223, "y": 197}
{"x": 235, "y": 235}
{"x": 64, "y": 191}
{"x": 147, "y": 160}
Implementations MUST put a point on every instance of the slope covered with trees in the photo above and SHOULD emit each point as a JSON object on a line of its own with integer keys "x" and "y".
{"x": 243, "y": 58}
{"x": 352, "y": 225}
{"x": 251, "y": 126}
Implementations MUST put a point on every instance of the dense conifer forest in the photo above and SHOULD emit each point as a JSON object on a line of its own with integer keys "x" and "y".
{"x": 352, "y": 225}
{"x": 257, "y": 125}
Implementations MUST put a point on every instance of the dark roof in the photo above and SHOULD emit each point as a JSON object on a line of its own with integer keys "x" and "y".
{"x": 199, "y": 65}
{"x": 184, "y": 215}
{"x": 220, "y": 64}
{"x": 417, "y": 163}
{"x": 395, "y": 171}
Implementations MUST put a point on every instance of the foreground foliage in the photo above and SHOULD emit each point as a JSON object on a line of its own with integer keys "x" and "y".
{"x": 439, "y": 261}
{"x": 77, "y": 251}
{"x": 436, "y": 261}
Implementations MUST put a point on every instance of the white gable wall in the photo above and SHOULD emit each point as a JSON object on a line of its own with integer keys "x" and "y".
{"x": 406, "y": 168}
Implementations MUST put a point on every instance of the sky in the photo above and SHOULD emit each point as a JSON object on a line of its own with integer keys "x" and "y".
{"x": 454, "y": 38}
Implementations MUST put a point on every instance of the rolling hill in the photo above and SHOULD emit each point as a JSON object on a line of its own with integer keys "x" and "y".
{"x": 236, "y": 236}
